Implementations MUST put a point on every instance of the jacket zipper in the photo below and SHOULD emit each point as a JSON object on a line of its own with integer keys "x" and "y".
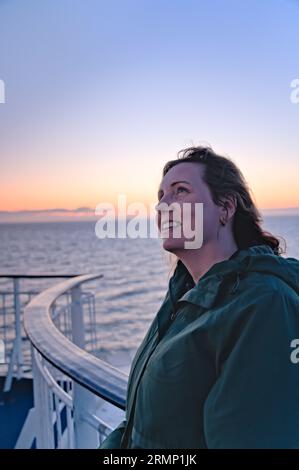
{"x": 128, "y": 429}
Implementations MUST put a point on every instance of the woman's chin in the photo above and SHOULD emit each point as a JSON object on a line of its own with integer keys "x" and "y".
{"x": 170, "y": 244}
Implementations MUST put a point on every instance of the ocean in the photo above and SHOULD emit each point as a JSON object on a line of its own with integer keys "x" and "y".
{"x": 136, "y": 271}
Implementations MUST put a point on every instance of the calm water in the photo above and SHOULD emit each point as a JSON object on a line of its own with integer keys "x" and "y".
{"x": 135, "y": 271}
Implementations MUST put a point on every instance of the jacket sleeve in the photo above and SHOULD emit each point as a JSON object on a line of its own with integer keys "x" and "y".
{"x": 254, "y": 402}
{"x": 113, "y": 440}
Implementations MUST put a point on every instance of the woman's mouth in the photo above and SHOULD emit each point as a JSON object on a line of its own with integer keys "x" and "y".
{"x": 169, "y": 225}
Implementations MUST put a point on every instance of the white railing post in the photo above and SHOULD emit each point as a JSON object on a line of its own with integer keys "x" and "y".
{"x": 16, "y": 357}
{"x": 42, "y": 408}
{"x": 18, "y": 327}
{"x": 84, "y": 401}
{"x": 77, "y": 318}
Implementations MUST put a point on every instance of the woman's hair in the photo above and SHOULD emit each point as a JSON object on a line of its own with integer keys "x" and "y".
{"x": 225, "y": 180}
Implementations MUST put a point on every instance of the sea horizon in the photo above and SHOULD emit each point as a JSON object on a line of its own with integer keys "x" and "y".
{"x": 74, "y": 215}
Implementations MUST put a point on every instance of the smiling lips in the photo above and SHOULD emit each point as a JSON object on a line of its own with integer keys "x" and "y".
{"x": 170, "y": 224}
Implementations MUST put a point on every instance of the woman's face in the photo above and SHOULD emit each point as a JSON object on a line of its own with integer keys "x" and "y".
{"x": 183, "y": 183}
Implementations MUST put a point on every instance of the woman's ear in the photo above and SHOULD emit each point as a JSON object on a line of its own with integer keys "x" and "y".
{"x": 228, "y": 207}
{"x": 231, "y": 204}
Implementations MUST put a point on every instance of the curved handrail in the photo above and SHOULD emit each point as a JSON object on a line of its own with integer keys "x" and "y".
{"x": 96, "y": 375}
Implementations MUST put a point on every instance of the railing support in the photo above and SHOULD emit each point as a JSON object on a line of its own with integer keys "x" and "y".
{"x": 17, "y": 353}
{"x": 86, "y": 437}
{"x": 43, "y": 408}
{"x": 77, "y": 318}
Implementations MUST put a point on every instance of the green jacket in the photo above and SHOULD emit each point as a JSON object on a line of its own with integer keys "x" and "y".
{"x": 214, "y": 369}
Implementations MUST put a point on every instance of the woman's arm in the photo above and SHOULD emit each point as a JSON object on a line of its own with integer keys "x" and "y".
{"x": 255, "y": 400}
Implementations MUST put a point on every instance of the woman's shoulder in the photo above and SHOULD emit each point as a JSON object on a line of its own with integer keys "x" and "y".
{"x": 269, "y": 284}
{"x": 261, "y": 300}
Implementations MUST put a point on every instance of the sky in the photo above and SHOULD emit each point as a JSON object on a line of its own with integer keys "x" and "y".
{"x": 100, "y": 94}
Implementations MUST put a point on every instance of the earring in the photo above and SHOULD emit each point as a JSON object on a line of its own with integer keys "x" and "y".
{"x": 222, "y": 222}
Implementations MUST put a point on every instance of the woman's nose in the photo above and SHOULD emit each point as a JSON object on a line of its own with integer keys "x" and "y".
{"x": 162, "y": 207}
{"x": 163, "y": 204}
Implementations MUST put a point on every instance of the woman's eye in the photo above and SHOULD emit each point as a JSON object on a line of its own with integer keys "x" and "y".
{"x": 182, "y": 187}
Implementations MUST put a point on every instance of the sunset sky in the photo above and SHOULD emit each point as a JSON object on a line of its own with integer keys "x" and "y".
{"x": 100, "y": 94}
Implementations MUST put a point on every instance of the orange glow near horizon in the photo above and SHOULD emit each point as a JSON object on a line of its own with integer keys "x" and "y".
{"x": 26, "y": 199}
{"x": 79, "y": 186}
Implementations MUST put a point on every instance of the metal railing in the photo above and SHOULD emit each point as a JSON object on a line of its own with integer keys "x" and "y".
{"x": 69, "y": 382}
{"x": 15, "y": 360}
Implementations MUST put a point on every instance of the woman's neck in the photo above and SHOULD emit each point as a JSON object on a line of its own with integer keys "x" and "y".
{"x": 199, "y": 261}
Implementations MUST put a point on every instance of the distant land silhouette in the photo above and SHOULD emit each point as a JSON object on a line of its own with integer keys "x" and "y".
{"x": 88, "y": 214}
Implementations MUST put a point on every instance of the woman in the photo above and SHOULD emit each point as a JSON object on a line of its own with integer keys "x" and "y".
{"x": 214, "y": 368}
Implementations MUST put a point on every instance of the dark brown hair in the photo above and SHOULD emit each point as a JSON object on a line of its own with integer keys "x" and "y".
{"x": 225, "y": 180}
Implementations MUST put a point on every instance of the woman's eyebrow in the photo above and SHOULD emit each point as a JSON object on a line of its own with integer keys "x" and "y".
{"x": 172, "y": 184}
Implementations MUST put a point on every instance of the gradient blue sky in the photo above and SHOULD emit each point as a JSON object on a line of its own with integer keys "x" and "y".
{"x": 100, "y": 94}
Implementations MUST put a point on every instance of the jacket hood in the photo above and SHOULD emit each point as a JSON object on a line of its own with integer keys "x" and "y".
{"x": 226, "y": 274}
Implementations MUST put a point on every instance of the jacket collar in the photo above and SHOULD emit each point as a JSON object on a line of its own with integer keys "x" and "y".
{"x": 225, "y": 273}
